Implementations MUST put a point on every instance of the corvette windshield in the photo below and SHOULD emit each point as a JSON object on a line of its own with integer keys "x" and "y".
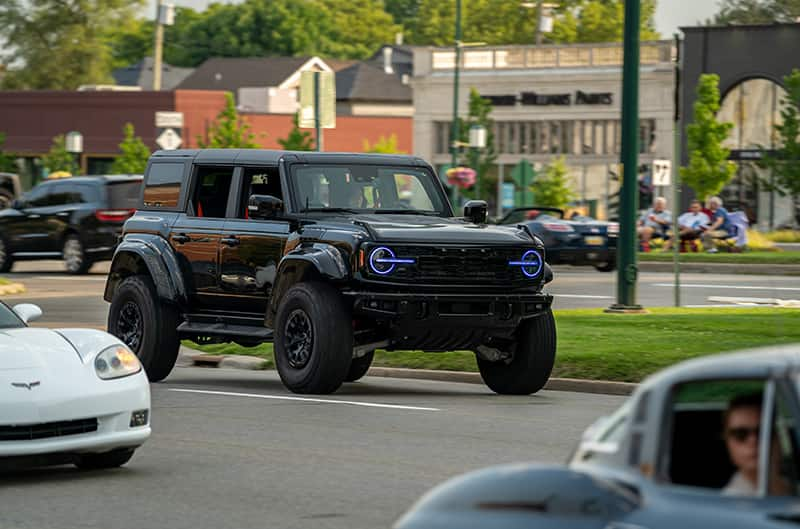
{"x": 9, "y": 320}
{"x": 366, "y": 189}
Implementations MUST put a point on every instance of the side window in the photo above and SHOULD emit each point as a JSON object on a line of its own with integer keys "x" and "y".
{"x": 38, "y": 196}
{"x": 411, "y": 193}
{"x": 86, "y": 194}
{"x": 212, "y": 186}
{"x": 163, "y": 185}
{"x": 785, "y": 454}
{"x": 259, "y": 181}
{"x": 61, "y": 194}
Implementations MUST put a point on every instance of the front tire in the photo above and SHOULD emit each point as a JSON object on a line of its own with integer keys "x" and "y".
{"x": 313, "y": 339}
{"x": 74, "y": 255}
{"x": 112, "y": 459}
{"x": 532, "y": 363}
{"x": 147, "y": 326}
{"x": 359, "y": 367}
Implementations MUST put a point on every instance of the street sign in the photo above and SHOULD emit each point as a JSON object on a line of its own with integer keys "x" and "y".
{"x": 169, "y": 120}
{"x": 662, "y": 170}
{"x": 327, "y": 100}
{"x": 508, "y": 195}
{"x": 169, "y": 140}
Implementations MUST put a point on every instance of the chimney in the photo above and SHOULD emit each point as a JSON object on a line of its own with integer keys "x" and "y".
{"x": 387, "y": 60}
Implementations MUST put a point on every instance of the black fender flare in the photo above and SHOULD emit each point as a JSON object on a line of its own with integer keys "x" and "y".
{"x": 318, "y": 260}
{"x": 151, "y": 255}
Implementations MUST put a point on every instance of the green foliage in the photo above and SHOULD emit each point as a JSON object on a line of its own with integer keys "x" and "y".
{"x": 7, "y": 163}
{"x": 384, "y": 145}
{"x": 757, "y": 11}
{"x": 480, "y": 110}
{"x": 130, "y": 42}
{"x": 228, "y": 131}
{"x": 59, "y": 159}
{"x": 709, "y": 169}
{"x": 134, "y": 154}
{"x": 785, "y": 164}
{"x": 404, "y": 12}
{"x": 60, "y": 45}
{"x": 553, "y": 188}
{"x": 298, "y": 139}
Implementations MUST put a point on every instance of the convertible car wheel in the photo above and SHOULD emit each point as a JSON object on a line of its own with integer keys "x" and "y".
{"x": 113, "y": 459}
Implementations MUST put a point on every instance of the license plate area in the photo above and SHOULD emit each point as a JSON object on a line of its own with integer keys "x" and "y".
{"x": 594, "y": 240}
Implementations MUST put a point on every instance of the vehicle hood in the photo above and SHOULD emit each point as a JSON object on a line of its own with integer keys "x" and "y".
{"x": 30, "y": 348}
{"x": 425, "y": 229}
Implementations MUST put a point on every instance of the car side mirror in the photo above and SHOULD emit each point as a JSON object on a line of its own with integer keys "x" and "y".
{"x": 27, "y": 312}
{"x": 264, "y": 206}
{"x": 476, "y": 211}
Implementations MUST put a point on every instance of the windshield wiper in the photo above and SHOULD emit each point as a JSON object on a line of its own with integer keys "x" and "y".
{"x": 330, "y": 210}
{"x": 406, "y": 212}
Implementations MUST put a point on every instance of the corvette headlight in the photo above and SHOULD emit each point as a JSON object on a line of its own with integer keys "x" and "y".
{"x": 115, "y": 362}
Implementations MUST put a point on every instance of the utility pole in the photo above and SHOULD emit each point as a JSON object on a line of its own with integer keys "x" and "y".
{"x": 165, "y": 16}
{"x": 676, "y": 174}
{"x": 539, "y": 7}
{"x": 628, "y": 197}
{"x": 317, "y": 120}
{"x": 456, "y": 72}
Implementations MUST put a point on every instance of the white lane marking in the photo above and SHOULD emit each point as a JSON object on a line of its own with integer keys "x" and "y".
{"x": 581, "y": 296}
{"x": 738, "y": 287}
{"x": 306, "y": 399}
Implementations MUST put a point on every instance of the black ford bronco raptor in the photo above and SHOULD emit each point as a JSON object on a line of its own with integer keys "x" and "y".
{"x": 330, "y": 256}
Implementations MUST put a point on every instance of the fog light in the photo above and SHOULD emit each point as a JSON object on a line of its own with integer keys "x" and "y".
{"x": 139, "y": 418}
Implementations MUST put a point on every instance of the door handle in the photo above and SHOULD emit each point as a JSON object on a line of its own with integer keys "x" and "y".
{"x": 62, "y": 214}
{"x": 231, "y": 241}
{"x": 34, "y": 216}
{"x": 181, "y": 238}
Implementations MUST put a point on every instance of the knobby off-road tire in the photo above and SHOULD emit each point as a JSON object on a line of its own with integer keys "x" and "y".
{"x": 359, "y": 367}
{"x": 112, "y": 459}
{"x": 147, "y": 326}
{"x": 313, "y": 339}
{"x": 74, "y": 254}
{"x": 533, "y": 360}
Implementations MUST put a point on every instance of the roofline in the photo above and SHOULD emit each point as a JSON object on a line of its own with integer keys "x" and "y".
{"x": 727, "y": 27}
{"x": 295, "y": 77}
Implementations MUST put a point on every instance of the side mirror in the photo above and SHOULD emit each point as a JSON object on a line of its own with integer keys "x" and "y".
{"x": 476, "y": 211}
{"x": 264, "y": 206}
{"x": 27, "y": 312}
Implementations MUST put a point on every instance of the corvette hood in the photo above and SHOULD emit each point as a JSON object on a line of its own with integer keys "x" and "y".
{"x": 425, "y": 229}
{"x": 32, "y": 348}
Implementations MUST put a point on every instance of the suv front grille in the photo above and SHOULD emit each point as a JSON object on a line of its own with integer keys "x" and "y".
{"x": 46, "y": 430}
{"x": 459, "y": 265}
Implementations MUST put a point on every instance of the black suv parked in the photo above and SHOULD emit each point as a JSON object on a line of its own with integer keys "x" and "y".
{"x": 332, "y": 256}
{"x": 78, "y": 219}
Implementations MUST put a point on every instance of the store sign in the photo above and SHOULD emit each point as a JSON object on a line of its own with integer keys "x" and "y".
{"x": 536, "y": 99}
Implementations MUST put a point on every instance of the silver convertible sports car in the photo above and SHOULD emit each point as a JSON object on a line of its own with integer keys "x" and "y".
{"x": 68, "y": 395}
{"x": 709, "y": 443}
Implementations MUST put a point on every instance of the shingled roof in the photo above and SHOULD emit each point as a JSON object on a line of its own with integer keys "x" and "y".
{"x": 141, "y": 74}
{"x": 232, "y": 73}
{"x": 362, "y": 82}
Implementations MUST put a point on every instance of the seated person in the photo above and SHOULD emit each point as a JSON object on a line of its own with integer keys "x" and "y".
{"x": 654, "y": 223}
{"x": 690, "y": 224}
{"x": 720, "y": 228}
{"x": 354, "y": 197}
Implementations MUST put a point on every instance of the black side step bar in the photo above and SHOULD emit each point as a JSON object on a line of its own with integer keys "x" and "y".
{"x": 224, "y": 329}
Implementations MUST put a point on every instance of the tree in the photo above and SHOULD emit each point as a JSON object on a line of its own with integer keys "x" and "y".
{"x": 553, "y": 188}
{"x": 298, "y": 139}
{"x": 134, "y": 154}
{"x": 709, "y": 169}
{"x": 7, "y": 162}
{"x": 481, "y": 160}
{"x": 384, "y": 145}
{"x": 228, "y": 131}
{"x": 59, "y": 159}
{"x": 757, "y": 11}
{"x": 785, "y": 164}
{"x": 60, "y": 45}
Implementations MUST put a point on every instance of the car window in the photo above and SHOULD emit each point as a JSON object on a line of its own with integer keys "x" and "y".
{"x": 163, "y": 185}
{"x": 212, "y": 186}
{"x": 86, "y": 194}
{"x": 38, "y": 196}
{"x": 785, "y": 457}
{"x": 124, "y": 195}
{"x": 259, "y": 181}
{"x": 9, "y": 320}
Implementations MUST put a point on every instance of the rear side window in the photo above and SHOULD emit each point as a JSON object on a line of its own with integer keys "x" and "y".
{"x": 124, "y": 195}
{"x": 163, "y": 185}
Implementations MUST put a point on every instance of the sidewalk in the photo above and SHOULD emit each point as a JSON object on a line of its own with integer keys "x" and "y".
{"x": 722, "y": 268}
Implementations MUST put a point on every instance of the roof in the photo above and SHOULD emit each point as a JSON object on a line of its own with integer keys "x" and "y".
{"x": 363, "y": 82}
{"x": 110, "y": 178}
{"x": 141, "y": 74}
{"x": 265, "y": 156}
{"x": 232, "y": 73}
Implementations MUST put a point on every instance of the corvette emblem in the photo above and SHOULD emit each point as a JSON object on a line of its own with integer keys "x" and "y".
{"x": 29, "y": 386}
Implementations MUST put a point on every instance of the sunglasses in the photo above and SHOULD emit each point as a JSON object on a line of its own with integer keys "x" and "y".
{"x": 741, "y": 434}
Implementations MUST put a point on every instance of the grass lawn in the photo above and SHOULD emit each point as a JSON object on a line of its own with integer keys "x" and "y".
{"x": 788, "y": 257}
{"x": 594, "y": 345}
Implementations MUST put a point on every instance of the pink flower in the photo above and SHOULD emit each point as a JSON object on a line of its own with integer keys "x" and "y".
{"x": 463, "y": 177}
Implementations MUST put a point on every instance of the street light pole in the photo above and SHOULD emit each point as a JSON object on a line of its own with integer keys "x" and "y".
{"x": 539, "y": 7}
{"x": 627, "y": 270}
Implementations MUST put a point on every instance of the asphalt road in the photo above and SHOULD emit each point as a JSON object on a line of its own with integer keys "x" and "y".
{"x": 260, "y": 457}
{"x": 74, "y": 300}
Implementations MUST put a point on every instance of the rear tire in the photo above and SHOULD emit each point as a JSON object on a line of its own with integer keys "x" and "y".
{"x": 532, "y": 363}
{"x": 6, "y": 261}
{"x": 147, "y": 326}
{"x": 313, "y": 339}
{"x": 112, "y": 459}
{"x": 359, "y": 367}
{"x": 608, "y": 266}
{"x": 74, "y": 255}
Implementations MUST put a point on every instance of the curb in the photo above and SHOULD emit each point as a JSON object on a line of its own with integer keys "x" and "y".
{"x": 721, "y": 268}
{"x": 13, "y": 288}
{"x": 190, "y": 357}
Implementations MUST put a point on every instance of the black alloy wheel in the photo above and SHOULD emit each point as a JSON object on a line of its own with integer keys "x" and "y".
{"x": 298, "y": 339}
{"x": 130, "y": 326}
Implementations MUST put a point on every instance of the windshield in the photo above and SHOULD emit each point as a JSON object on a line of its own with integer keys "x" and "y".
{"x": 367, "y": 189}
{"x": 9, "y": 320}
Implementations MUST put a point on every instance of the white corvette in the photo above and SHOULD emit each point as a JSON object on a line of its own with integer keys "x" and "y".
{"x": 68, "y": 395}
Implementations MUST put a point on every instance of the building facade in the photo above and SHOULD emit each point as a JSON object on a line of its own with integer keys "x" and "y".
{"x": 548, "y": 102}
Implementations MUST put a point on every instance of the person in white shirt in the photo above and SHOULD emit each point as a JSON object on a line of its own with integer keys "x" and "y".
{"x": 654, "y": 223}
{"x": 691, "y": 224}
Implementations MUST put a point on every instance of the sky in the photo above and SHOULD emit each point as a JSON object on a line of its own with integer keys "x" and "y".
{"x": 670, "y": 14}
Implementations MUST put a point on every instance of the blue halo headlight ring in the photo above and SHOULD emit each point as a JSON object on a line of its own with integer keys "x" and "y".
{"x": 383, "y": 261}
{"x": 530, "y": 263}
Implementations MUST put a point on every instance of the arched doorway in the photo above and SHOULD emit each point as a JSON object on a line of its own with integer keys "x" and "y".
{"x": 753, "y": 106}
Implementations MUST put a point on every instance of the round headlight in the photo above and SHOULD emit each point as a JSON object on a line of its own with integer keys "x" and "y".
{"x": 530, "y": 263}
{"x": 382, "y": 260}
{"x": 115, "y": 362}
